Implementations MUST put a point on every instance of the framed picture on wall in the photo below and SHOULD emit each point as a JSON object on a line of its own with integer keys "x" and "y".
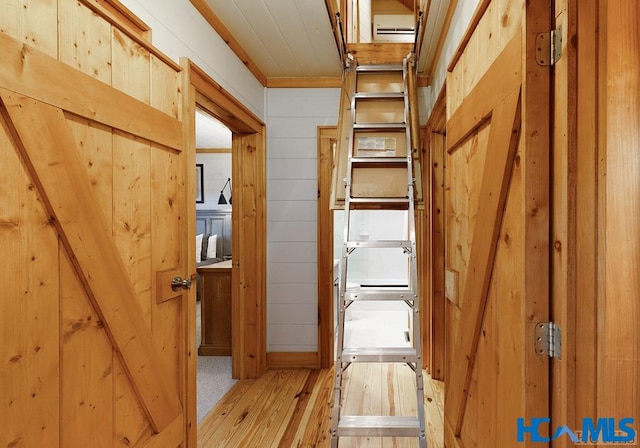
{"x": 199, "y": 183}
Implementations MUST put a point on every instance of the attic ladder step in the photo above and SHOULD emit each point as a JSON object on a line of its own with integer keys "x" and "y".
{"x": 372, "y": 193}
{"x": 376, "y": 160}
{"x": 379, "y": 426}
{"x": 379, "y": 95}
{"x": 380, "y": 68}
{"x": 380, "y": 244}
{"x": 379, "y": 125}
{"x": 387, "y": 294}
{"x": 379, "y": 354}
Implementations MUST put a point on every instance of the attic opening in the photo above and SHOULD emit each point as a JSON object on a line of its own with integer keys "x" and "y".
{"x": 380, "y": 21}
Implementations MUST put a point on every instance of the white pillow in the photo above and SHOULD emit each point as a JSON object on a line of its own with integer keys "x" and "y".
{"x": 199, "y": 247}
{"x": 211, "y": 248}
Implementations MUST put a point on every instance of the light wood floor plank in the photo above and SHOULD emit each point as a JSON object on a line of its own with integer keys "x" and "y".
{"x": 292, "y": 408}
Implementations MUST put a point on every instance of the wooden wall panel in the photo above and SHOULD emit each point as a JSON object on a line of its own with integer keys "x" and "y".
{"x": 86, "y": 366}
{"x": 436, "y": 263}
{"x": 32, "y": 22}
{"x": 29, "y": 309}
{"x": 95, "y": 143}
{"x": 132, "y": 214}
{"x": 164, "y": 96}
{"x": 596, "y": 245}
{"x": 564, "y": 221}
{"x": 131, "y": 66}
{"x": 510, "y": 331}
{"x": 85, "y": 40}
{"x": 463, "y": 178}
{"x": 619, "y": 176}
{"x": 130, "y": 423}
{"x": 166, "y": 242}
{"x": 586, "y": 211}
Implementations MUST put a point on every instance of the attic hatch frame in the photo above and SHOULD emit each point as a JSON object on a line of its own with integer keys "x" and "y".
{"x": 248, "y": 287}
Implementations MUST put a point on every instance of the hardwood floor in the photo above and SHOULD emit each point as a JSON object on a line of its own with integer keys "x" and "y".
{"x": 292, "y": 408}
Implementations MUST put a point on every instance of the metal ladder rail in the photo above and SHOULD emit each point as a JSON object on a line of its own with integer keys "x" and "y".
{"x": 417, "y": 343}
{"x": 339, "y": 364}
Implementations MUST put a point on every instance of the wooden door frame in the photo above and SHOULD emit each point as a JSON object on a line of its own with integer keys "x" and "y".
{"x": 248, "y": 313}
{"x": 434, "y": 137}
{"x": 325, "y": 246}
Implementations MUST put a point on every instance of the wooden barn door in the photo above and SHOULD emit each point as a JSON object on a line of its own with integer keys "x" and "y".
{"x": 92, "y": 194}
{"x": 496, "y": 228}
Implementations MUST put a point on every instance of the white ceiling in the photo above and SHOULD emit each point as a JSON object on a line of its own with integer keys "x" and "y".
{"x": 284, "y": 38}
{"x": 210, "y": 133}
{"x": 293, "y": 38}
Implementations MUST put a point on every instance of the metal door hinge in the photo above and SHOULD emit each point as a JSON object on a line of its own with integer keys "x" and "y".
{"x": 549, "y": 47}
{"x": 548, "y": 340}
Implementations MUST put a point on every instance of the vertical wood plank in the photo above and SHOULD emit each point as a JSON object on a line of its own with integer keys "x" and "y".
{"x": 29, "y": 309}
{"x": 535, "y": 162}
{"x": 165, "y": 93}
{"x": 31, "y": 22}
{"x": 619, "y": 354}
{"x": 166, "y": 216}
{"x": 563, "y": 261}
{"x": 131, "y": 66}
{"x": 85, "y": 40}
{"x": 95, "y": 143}
{"x": 587, "y": 235}
{"x": 510, "y": 337}
{"x": 131, "y": 424}
{"x": 189, "y": 135}
{"x": 166, "y": 210}
{"x": 437, "y": 261}
{"x": 169, "y": 232}
{"x": 87, "y": 367}
{"x": 132, "y": 214}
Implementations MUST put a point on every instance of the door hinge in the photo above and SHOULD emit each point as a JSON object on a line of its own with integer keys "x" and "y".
{"x": 549, "y": 47}
{"x": 548, "y": 340}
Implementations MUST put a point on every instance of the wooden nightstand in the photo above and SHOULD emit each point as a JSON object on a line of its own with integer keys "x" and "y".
{"x": 216, "y": 309}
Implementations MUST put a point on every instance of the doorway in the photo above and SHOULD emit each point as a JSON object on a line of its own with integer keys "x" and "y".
{"x": 248, "y": 231}
{"x": 213, "y": 258}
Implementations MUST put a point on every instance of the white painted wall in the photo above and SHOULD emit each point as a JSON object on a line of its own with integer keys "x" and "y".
{"x": 459, "y": 24}
{"x": 180, "y": 31}
{"x": 217, "y": 169}
{"x": 293, "y": 116}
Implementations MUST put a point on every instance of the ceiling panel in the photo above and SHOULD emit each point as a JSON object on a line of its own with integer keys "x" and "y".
{"x": 433, "y": 27}
{"x": 293, "y": 38}
{"x": 285, "y": 38}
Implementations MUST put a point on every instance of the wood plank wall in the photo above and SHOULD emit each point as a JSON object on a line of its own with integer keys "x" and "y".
{"x": 596, "y": 246}
{"x": 68, "y": 383}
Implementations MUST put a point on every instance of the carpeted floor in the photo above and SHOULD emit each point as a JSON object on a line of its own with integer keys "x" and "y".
{"x": 213, "y": 377}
